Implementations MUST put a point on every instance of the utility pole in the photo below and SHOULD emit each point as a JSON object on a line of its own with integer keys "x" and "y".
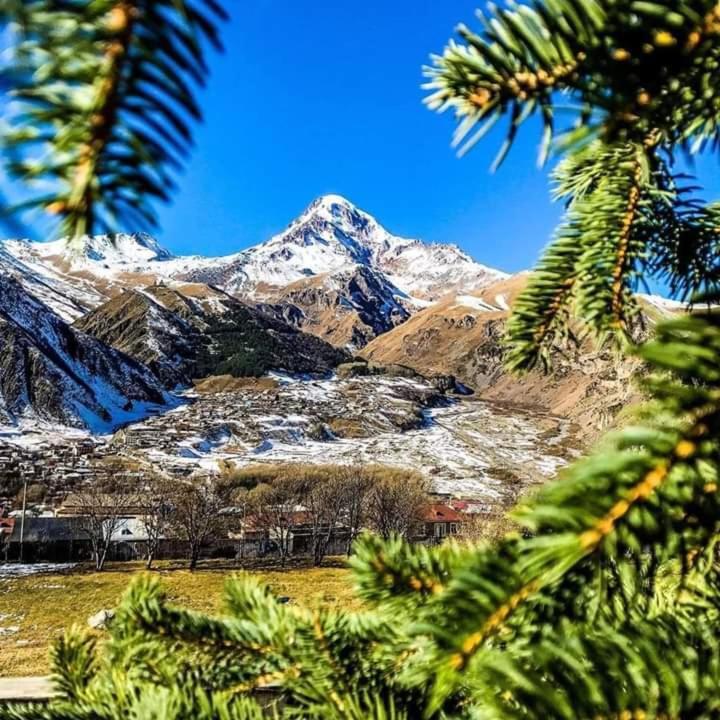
{"x": 22, "y": 520}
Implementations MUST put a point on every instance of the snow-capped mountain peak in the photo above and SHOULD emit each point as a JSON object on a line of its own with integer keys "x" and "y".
{"x": 356, "y": 230}
{"x": 331, "y": 236}
{"x": 330, "y": 207}
{"x": 115, "y": 249}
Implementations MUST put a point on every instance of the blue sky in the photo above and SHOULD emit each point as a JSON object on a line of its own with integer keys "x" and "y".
{"x": 316, "y": 96}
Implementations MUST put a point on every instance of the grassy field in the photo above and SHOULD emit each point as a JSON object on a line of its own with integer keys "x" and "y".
{"x": 42, "y": 606}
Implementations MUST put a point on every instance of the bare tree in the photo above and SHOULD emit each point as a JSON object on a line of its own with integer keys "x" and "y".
{"x": 479, "y": 527}
{"x": 240, "y": 502}
{"x": 196, "y": 513}
{"x": 100, "y": 515}
{"x": 356, "y": 484}
{"x": 325, "y": 500}
{"x": 157, "y": 517}
{"x": 395, "y": 500}
{"x": 275, "y": 510}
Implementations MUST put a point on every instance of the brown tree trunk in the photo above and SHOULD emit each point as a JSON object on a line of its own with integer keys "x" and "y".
{"x": 194, "y": 556}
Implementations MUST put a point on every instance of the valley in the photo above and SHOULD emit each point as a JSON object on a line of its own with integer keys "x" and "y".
{"x": 333, "y": 342}
{"x": 468, "y": 447}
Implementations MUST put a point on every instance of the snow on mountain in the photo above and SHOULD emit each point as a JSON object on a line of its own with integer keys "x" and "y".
{"x": 51, "y": 372}
{"x": 331, "y": 236}
{"x": 334, "y": 236}
{"x": 69, "y": 297}
{"x": 74, "y": 277}
{"x": 108, "y": 250}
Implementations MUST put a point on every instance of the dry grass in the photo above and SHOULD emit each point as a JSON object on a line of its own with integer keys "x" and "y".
{"x": 348, "y": 428}
{"x": 217, "y": 384}
{"x": 43, "y": 606}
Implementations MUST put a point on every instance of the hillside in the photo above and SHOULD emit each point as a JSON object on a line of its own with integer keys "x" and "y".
{"x": 192, "y": 331}
{"x": 348, "y": 309}
{"x": 461, "y": 335}
{"x": 51, "y": 372}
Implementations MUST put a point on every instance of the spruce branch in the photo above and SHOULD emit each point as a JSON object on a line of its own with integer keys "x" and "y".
{"x": 105, "y": 96}
{"x": 652, "y": 490}
{"x": 628, "y": 69}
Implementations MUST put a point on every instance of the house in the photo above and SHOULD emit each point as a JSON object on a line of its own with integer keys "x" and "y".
{"x": 259, "y": 536}
{"x": 473, "y": 506}
{"x": 49, "y": 539}
{"x": 6, "y": 527}
{"x": 437, "y": 522}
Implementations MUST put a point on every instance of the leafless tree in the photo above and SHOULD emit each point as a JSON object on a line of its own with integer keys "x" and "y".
{"x": 325, "y": 500}
{"x": 240, "y": 502}
{"x": 356, "y": 485}
{"x": 157, "y": 517}
{"x": 100, "y": 515}
{"x": 275, "y": 510}
{"x": 395, "y": 500}
{"x": 196, "y": 513}
{"x": 480, "y": 527}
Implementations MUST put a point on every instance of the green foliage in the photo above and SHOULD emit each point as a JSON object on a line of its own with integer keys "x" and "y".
{"x": 102, "y": 103}
{"x": 605, "y": 603}
{"x": 627, "y": 69}
{"x": 238, "y": 347}
{"x": 640, "y": 81}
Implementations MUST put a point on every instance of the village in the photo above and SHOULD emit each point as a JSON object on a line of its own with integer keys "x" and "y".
{"x": 282, "y": 468}
{"x": 95, "y": 527}
{"x": 228, "y": 423}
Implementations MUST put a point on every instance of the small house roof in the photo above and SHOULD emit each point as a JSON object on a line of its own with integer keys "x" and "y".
{"x": 439, "y": 512}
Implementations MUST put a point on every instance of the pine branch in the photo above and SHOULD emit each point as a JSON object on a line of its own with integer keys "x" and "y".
{"x": 105, "y": 97}
{"x": 629, "y": 218}
{"x": 658, "y": 668}
{"x": 654, "y": 489}
{"x": 628, "y": 68}
{"x": 592, "y": 262}
{"x": 388, "y": 571}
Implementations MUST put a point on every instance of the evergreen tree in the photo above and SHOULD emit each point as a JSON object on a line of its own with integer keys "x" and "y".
{"x": 101, "y": 98}
{"x": 606, "y": 604}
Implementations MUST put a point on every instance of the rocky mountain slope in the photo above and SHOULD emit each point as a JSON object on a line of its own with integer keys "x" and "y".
{"x": 348, "y": 308}
{"x": 462, "y": 335}
{"x": 51, "y": 372}
{"x": 333, "y": 257}
{"x": 192, "y": 331}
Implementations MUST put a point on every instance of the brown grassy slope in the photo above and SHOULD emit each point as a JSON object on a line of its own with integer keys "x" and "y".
{"x": 42, "y": 607}
{"x": 218, "y": 384}
{"x": 590, "y": 385}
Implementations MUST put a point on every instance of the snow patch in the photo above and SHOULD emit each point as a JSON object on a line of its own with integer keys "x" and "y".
{"x": 13, "y": 570}
{"x": 475, "y": 303}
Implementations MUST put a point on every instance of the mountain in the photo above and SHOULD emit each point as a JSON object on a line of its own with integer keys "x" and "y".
{"x": 461, "y": 335}
{"x": 335, "y": 271}
{"x": 192, "y": 331}
{"x": 51, "y": 372}
{"x": 69, "y": 297}
{"x": 348, "y": 308}
{"x": 334, "y": 236}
